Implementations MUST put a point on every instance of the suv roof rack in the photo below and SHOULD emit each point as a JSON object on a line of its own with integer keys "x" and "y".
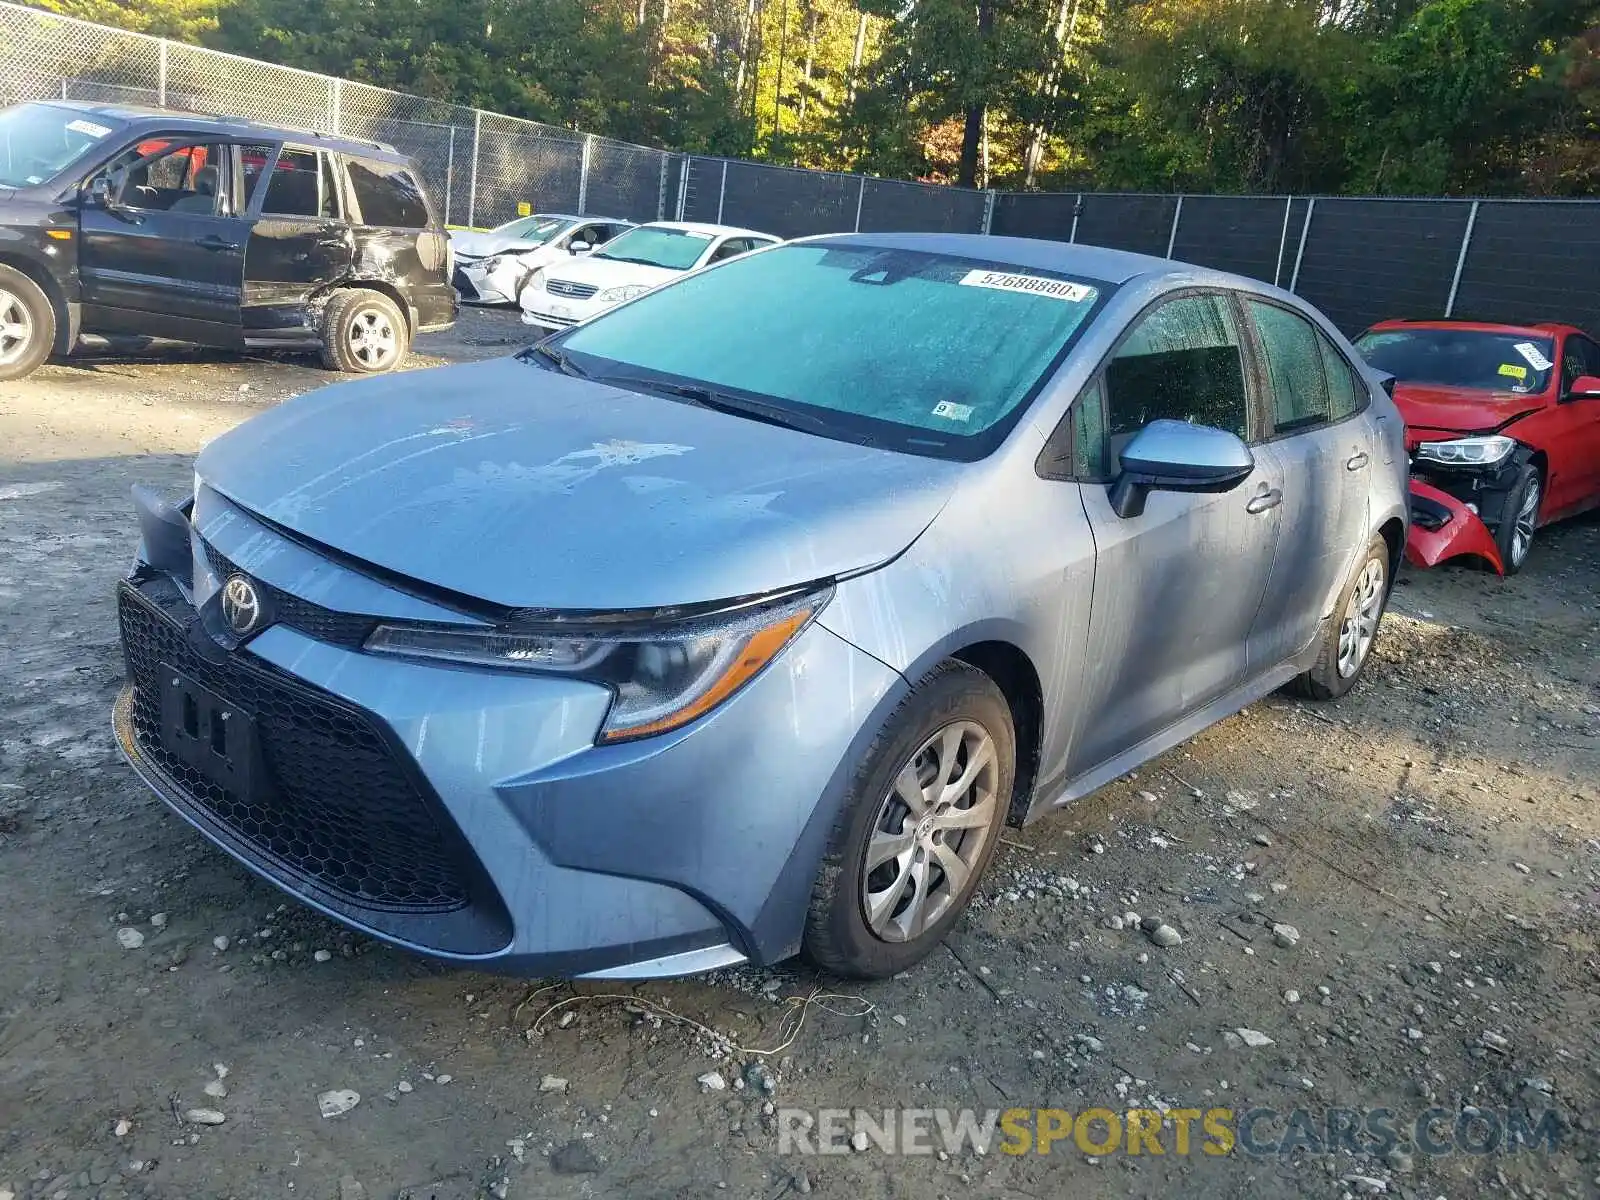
{"x": 316, "y": 133}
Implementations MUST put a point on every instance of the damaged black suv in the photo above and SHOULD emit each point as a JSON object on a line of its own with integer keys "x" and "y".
{"x": 123, "y": 222}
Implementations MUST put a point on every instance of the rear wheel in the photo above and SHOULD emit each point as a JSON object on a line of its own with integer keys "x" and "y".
{"x": 27, "y": 324}
{"x": 1348, "y": 638}
{"x": 920, "y": 824}
{"x": 363, "y": 333}
{"x": 1519, "y": 519}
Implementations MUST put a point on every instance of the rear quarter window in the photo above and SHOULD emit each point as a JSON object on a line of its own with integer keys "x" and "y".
{"x": 388, "y": 194}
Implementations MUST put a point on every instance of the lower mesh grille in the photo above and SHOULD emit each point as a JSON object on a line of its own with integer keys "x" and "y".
{"x": 336, "y": 805}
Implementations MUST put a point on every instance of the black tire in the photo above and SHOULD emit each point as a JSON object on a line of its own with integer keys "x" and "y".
{"x": 838, "y": 937}
{"x": 1505, "y": 534}
{"x": 26, "y": 310}
{"x": 1327, "y": 680}
{"x": 387, "y": 345}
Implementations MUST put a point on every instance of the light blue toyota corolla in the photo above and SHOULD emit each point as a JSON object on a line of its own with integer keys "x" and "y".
{"x": 738, "y": 621}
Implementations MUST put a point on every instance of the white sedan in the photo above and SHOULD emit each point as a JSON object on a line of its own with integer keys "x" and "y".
{"x": 492, "y": 267}
{"x": 567, "y": 293}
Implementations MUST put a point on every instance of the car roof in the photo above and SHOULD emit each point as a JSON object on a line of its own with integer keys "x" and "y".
{"x": 1526, "y": 328}
{"x": 713, "y": 230}
{"x": 140, "y": 117}
{"x": 1071, "y": 258}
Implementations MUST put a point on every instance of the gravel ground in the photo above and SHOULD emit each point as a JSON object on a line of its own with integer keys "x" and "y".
{"x": 1428, "y": 849}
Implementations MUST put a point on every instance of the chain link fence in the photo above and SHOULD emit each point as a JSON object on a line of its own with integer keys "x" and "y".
{"x": 1357, "y": 259}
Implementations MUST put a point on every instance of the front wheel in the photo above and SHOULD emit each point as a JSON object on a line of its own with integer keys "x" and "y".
{"x": 1347, "y": 640}
{"x": 918, "y": 828}
{"x": 27, "y": 324}
{"x": 363, "y": 333}
{"x": 1519, "y": 518}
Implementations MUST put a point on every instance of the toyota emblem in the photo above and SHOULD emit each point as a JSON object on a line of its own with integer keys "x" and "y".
{"x": 241, "y": 605}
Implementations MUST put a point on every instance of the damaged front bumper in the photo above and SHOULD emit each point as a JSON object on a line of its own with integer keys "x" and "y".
{"x": 1444, "y": 527}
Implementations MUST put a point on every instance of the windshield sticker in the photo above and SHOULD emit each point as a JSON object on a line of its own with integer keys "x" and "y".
{"x": 952, "y": 412}
{"x": 1536, "y": 360}
{"x": 1034, "y": 285}
{"x": 1512, "y": 371}
{"x": 89, "y": 127}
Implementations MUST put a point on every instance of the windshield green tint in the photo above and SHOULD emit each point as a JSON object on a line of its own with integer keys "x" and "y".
{"x": 907, "y": 349}
{"x": 1462, "y": 358}
{"x": 532, "y": 229}
{"x": 39, "y": 141}
{"x": 674, "y": 249}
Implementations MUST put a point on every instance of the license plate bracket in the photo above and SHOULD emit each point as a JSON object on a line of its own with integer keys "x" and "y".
{"x": 209, "y": 733}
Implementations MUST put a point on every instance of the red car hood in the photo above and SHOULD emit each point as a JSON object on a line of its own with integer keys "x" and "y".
{"x": 1458, "y": 410}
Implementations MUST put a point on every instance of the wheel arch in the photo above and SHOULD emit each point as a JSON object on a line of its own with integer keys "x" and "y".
{"x": 66, "y": 316}
{"x": 1014, "y": 674}
{"x": 384, "y": 287}
{"x": 1393, "y": 533}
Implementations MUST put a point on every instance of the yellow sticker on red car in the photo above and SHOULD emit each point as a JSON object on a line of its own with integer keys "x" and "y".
{"x": 1512, "y": 371}
{"x": 1033, "y": 285}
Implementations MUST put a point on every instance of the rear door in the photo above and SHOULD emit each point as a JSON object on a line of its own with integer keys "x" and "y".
{"x": 1325, "y": 453}
{"x": 167, "y": 258}
{"x": 300, "y": 244}
{"x": 398, "y": 239}
{"x": 1177, "y": 587}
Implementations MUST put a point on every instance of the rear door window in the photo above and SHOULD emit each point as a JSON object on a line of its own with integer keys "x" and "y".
{"x": 299, "y": 187}
{"x": 387, "y": 194}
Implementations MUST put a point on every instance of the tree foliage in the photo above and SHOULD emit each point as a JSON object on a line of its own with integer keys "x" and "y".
{"x": 1380, "y": 96}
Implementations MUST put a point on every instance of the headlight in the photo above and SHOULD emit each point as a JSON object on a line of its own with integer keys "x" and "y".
{"x": 662, "y": 677}
{"x": 618, "y": 294}
{"x": 535, "y": 281}
{"x": 1467, "y": 452}
{"x": 496, "y": 262}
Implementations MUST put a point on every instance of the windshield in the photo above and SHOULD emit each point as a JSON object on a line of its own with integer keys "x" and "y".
{"x": 39, "y": 141}
{"x": 532, "y": 229}
{"x": 674, "y": 249}
{"x": 927, "y": 353}
{"x": 1464, "y": 358}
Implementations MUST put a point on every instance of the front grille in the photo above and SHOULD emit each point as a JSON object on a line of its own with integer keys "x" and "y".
{"x": 337, "y": 805}
{"x": 565, "y": 287}
{"x": 324, "y": 624}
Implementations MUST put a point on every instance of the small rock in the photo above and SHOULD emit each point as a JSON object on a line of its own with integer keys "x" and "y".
{"x": 1400, "y": 1162}
{"x": 204, "y": 1116}
{"x": 129, "y": 938}
{"x": 552, "y": 1083}
{"x": 443, "y": 1078}
{"x": 712, "y": 1081}
{"x": 1370, "y": 1184}
{"x": 1522, "y": 868}
{"x": 216, "y": 1090}
{"x": 575, "y": 1158}
{"x": 1166, "y": 936}
{"x": 404, "y": 1087}
{"x": 350, "y": 1189}
{"x": 1286, "y": 937}
{"x": 1253, "y": 1038}
{"x": 1495, "y": 1042}
{"x": 122, "y": 1128}
{"x": 898, "y": 1020}
{"x": 1291, "y": 997}
{"x": 567, "y": 1018}
{"x": 220, "y": 942}
{"x": 858, "y": 1141}
{"x": 1262, "y": 839}
{"x": 802, "y": 1182}
{"x": 158, "y": 920}
{"x": 337, "y": 1102}
{"x": 1278, "y": 889}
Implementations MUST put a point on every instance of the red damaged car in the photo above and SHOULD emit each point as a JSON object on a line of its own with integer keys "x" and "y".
{"x": 1503, "y": 428}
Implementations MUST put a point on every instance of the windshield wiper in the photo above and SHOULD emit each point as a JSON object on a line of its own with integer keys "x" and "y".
{"x": 725, "y": 402}
{"x": 557, "y": 358}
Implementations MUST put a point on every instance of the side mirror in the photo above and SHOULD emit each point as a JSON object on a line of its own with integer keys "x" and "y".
{"x": 103, "y": 192}
{"x": 1174, "y": 456}
{"x": 1584, "y": 387}
{"x": 580, "y": 247}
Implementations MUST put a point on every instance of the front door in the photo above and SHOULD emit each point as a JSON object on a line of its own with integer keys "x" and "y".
{"x": 165, "y": 258}
{"x": 301, "y": 244}
{"x": 1177, "y": 587}
{"x": 1326, "y": 453}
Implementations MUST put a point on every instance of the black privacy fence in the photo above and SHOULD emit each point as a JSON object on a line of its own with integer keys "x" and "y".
{"x": 1359, "y": 260}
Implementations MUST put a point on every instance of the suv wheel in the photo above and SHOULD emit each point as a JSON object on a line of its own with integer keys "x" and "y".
{"x": 363, "y": 333}
{"x": 1347, "y": 641}
{"x": 1519, "y": 519}
{"x": 918, "y": 828}
{"x": 27, "y": 324}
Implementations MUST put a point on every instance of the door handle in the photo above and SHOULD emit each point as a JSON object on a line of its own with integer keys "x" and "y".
{"x": 1356, "y": 461}
{"x": 212, "y": 242}
{"x": 1267, "y": 497}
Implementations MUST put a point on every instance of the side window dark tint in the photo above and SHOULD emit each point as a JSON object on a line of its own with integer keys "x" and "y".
{"x": 1582, "y": 357}
{"x": 255, "y": 161}
{"x": 1294, "y": 367}
{"x": 387, "y": 194}
{"x": 1347, "y": 391}
{"x": 296, "y": 187}
{"x": 1181, "y": 362}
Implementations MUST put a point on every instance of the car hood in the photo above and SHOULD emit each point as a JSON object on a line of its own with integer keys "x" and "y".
{"x": 481, "y": 245}
{"x": 529, "y": 489}
{"x": 1459, "y": 410}
{"x": 609, "y": 272}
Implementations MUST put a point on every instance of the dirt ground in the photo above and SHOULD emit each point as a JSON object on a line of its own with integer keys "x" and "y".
{"x": 1434, "y": 840}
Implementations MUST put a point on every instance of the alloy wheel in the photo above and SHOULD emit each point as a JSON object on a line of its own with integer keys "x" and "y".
{"x": 1527, "y": 519}
{"x": 16, "y": 327}
{"x": 372, "y": 339}
{"x": 1360, "y": 622}
{"x": 930, "y": 832}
